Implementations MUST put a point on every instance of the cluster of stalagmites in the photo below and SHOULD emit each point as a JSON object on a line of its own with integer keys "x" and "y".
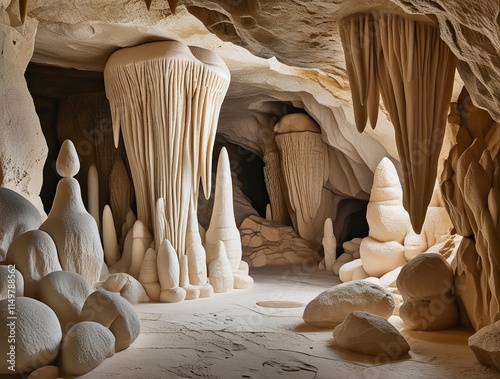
{"x": 81, "y": 272}
{"x": 52, "y": 268}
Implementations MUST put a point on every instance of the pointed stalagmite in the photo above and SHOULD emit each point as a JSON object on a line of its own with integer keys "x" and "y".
{"x": 111, "y": 249}
{"x": 329, "y": 245}
{"x": 169, "y": 274}
{"x": 148, "y": 276}
{"x": 219, "y": 271}
{"x": 141, "y": 240}
{"x": 168, "y": 134}
{"x": 222, "y": 224}
{"x": 72, "y": 228}
{"x": 93, "y": 194}
{"x": 414, "y": 70}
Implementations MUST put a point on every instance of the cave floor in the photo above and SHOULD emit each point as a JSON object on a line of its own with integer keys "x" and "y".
{"x": 232, "y": 336}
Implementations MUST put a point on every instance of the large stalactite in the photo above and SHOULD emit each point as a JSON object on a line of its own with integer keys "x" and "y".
{"x": 166, "y": 98}
{"x": 414, "y": 70}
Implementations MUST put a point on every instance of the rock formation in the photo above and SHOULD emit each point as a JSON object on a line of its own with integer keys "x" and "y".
{"x": 470, "y": 187}
{"x": 370, "y": 334}
{"x": 416, "y": 86}
{"x": 72, "y": 228}
{"x": 332, "y": 306}
{"x": 23, "y": 149}
{"x": 169, "y": 139}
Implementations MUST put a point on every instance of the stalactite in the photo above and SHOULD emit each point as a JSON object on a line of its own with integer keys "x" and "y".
{"x": 414, "y": 71}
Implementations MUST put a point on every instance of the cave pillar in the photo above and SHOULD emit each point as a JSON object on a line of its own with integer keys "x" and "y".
{"x": 166, "y": 99}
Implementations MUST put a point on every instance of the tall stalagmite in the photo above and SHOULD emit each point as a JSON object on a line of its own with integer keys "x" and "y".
{"x": 414, "y": 71}
{"x": 166, "y": 98}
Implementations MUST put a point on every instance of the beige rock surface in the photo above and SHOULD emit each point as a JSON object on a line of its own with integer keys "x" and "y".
{"x": 37, "y": 339}
{"x": 370, "y": 334}
{"x": 486, "y": 345}
{"x": 332, "y": 306}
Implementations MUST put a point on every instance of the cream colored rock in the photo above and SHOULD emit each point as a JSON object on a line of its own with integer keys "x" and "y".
{"x": 114, "y": 312}
{"x": 389, "y": 279}
{"x": 381, "y": 257}
{"x": 65, "y": 292}
{"x": 128, "y": 287}
{"x": 110, "y": 242}
{"x": 273, "y": 177}
{"x": 222, "y": 224}
{"x": 385, "y": 214}
{"x": 35, "y": 255}
{"x": 74, "y": 232}
{"x": 486, "y": 345}
{"x": 342, "y": 260}
{"x": 329, "y": 245}
{"x": 426, "y": 276}
{"x": 196, "y": 81}
{"x": 45, "y": 372}
{"x": 414, "y": 244}
{"x": 332, "y": 306}
{"x": 169, "y": 274}
{"x": 141, "y": 241}
{"x": 347, "y": 270}
{"x": 148, "y": 276}
{"x": 93, "y": 194}
{"x": 85, "y": 347}
{"x": 37, "y": 338}
{"x": 12, "y": 282}
{"x": 22, "y": 146}
{"x": 68, "y": 163}
{"x": 426, "y": 283}
{"x": 197, "y": 264}
{"x": 192, "y": 292}
{"x": 220, "y": 273}
{"x": 304, "y": 163}
{"x": 20, "y": 216}
{"x": 366, "y": 333}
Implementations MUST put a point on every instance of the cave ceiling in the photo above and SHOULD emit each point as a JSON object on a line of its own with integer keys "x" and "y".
{"x": 283, "y": 56}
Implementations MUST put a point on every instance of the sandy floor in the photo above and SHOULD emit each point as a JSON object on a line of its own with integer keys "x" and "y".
{"x": 232, "y": 336}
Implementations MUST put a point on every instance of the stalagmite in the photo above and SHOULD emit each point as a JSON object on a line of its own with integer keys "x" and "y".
{"x": 329, "y": 245}
{"x": 304, "y": 166}
{"x": 219, "y": 271}
{"x": 141, "y": 240}
{"x": 110, "y": 243}
{"x": 93, "y": 194}
{"x": 120, "y": 192}
{"x": 148, "y": 276}
{"x": 72, "y": 228}
{"x": 169, "y": 274}
{"x": 274, "y": 184}
{"x": 197, "y": 264}
{"x": 192, "y": 292}
{"x": 414, "y": 70}
{"x": 169, "y": 134}
{"x": 222, "y": 224}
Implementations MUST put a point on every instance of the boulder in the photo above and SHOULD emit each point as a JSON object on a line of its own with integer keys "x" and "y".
{"x": 486, "y": 345}
{"x": 128, "y": 287}
{"x": 366, "y": 333}
{"x": 18, "y": 216}
{"x": 114, "y": 312}
{"x": 85, "y": 347}
{"x": 35, "y": 255}
{"x": 381, "y": 257}
{"x": 37, "y": 335}
{"x": 65, "y": 292}
{"x": 332, "y": 306}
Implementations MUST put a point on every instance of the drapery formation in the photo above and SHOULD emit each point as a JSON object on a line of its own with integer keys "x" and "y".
{"x": 166, "y": 98}
{"x": 413, "y": 69}
{"x": 470, "y": 184}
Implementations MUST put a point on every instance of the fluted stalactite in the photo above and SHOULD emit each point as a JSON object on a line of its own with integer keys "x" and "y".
{"x": 166, "y": 98}
{"x": 414, "y": 72}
